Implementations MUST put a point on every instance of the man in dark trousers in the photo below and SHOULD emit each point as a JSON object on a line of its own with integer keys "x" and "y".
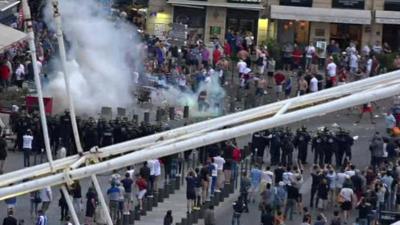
{"x": 318, "y": 148}
{"x": 301, "y": 141}
{"x": 10, "y": 219}
{"x": 344, "y": 143}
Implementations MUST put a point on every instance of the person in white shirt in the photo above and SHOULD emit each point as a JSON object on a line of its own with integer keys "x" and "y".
{"x": 27, "y": 140}
{"x": 347, "y": 196}
{"x": 47, "y": 196}
{"x": 157, "y": 173}
{"x": 310, "y": 51}
{"x": 331, "y": 70}
{"x": 313, "y": 84}
{"x": 369, "y": 66}
{"x": 241, "y": 66}
{"x": 220, "y": 174}
{"x": 377, "y": 48}
{"x": 19, "y": 75}
{"x": 366, "y": 50}
{"x": 214, "y": 176}
{"x": 353, "y": 63}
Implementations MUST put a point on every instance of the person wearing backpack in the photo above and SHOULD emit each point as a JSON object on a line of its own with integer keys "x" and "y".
{"x": 238, "y": 207}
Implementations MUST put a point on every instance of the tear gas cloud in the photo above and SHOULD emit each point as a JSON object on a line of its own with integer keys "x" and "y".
{"x": 102, "y": 56}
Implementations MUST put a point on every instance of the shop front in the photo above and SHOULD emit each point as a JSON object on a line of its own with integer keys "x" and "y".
{"x": 194, "y": 18}
{"x": 390, "y": 20}
{"x": 304, "y": 24}
{"x": 242, "y": 21}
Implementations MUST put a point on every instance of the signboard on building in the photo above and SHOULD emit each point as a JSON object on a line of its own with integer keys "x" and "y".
{"x": 303, "y": 3}
{"x": 348, "y": 4}
{"x": 392, "y": 5}
{"x": 179, "y": 33}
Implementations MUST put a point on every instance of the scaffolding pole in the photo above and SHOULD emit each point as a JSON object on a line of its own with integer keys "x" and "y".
{"x": 206, "y": 139}
{"x": 102, "y": 199}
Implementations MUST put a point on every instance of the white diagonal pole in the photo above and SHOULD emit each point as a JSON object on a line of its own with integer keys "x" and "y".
{"x": 63, "y": 58}
{"x": 70, "y": 205}
{"x": 102, "y": 199}
{"x": 32, "y": 47}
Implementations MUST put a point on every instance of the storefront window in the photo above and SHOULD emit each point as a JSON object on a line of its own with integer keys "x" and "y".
{"x": 348, "y": 4}
{"x": 346, "y": 33}
{"x": 302, "y": 3}
{"x": 392, "y": 5}
{"x": 290, "y": 31}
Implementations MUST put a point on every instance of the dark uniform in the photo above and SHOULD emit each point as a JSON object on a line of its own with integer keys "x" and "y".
{"x": 301, "y": 141}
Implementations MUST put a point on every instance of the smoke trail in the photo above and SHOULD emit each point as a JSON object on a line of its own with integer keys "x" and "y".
{"x": 102, "y": 56}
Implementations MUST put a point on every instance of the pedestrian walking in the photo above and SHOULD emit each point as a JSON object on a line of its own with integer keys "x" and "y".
{"x": 238, "y": 207}
{"x": 190, "y": 190}
{"x": 91, "y": 202}
{"x": 42, "y": 218}
{"x": 62, "y": 203}
{"x": 46, "y": 196}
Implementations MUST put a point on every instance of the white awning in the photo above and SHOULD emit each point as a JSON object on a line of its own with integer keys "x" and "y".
{"x": 9, "y": 36}
{"x": 387, "y": 17}
{"x": 244, "y": 6}
{"x": 350, "y": 16}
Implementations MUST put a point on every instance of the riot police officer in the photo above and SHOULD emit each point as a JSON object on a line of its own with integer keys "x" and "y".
{"x": 344, "y": 143}
{"x": 301, "y": 141}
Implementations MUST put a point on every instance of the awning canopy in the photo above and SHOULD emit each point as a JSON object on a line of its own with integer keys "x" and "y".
{"x": 387, "y": 17}
{"x": 218, "y": 4}
{"x": 9, "y": 36}
{"x": 349, "y": 16}
{"x": 7, "y": 4}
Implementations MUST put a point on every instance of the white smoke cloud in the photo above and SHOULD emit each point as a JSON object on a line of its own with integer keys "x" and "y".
{"x": 102, "y": 56}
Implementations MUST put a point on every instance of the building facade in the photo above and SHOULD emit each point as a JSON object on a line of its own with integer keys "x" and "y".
{"x": 208, "y": 19}
{"x": 300, "y": 21}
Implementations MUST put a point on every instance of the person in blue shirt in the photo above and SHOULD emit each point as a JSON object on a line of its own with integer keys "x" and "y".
{"x": 255, "y": 179}
{"x": 114, "y": 196}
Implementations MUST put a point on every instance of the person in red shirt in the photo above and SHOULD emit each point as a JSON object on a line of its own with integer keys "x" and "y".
{"x": 4, "y": 75}
{"x": 297, "y": 57}
{"x": 216, "y": 55}
{"x": 227, "y": 49}
{"x": 142, "y": 189}
{"x": 279, "y": 78}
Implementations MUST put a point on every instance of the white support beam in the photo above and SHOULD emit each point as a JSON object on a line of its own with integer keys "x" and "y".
{"x": 102, "y": 199}
{"x": 70, "y": 205}
{"x": 32, "y": 48}
{"x": 206, "y": 139}
{"x": 213, "y": 124}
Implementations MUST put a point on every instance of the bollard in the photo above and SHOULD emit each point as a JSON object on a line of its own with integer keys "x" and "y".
{"x": 171, "y": 187}
{"x": 159, "y": 114}
{"x": 166, "y": 191}
{"x": 177, "y": 183}
{"x": 172, "y": 113}
{"x": 155, "y": 199}
{"x": 186, "y": 112}
{"x": 184, "y": 221}
{"x": 148, "y": 203}
{"x": 190, "y": 218}
{"x": 195, "y": 216}
{"x": 131, "y": 217}
{"x": 161, "y": 195}
{"x": 125, "y": 219}
{"x": 146, "y": 118}
{"x": 216, "y": 199}
{"x": 137, "y": 213}
{"x": 232, "y": 106}
{"x": 135, "y": 119}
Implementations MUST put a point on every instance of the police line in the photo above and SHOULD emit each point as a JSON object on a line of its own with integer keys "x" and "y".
{"x": 391, "y": 88}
